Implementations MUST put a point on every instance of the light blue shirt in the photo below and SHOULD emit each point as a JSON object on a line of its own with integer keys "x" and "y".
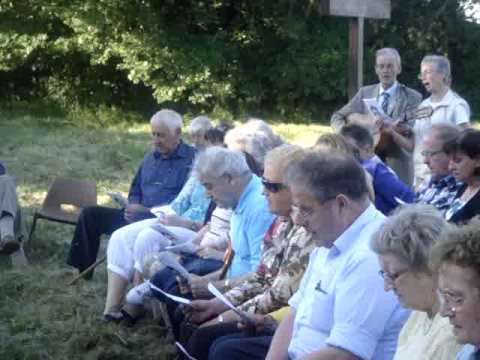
{"x": 192, "y": 202}
{"x": 341, "y": 300}
{"x": 250, "y": 221}
{"x": 467, "y": 352}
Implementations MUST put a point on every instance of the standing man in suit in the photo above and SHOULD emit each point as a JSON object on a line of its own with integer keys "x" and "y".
{"x": 397, "y": 102}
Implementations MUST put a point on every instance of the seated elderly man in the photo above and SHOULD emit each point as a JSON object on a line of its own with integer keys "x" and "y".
{"x": 397, "y": 102}
{"x": 441, "y": 187}
{"x": 231, "y": 184}
{"x": 9, "y": 214}
{"x": 457, "y": 258}
{"x": 340, "y": 309}
{"x": 159, "y": 179}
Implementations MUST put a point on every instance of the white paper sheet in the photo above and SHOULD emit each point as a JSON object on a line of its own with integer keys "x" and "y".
{"x": 182, "y": 349}
{"x": 178, "y": 299}
{"x": 243, "y": 315}
{"x": 376, "y": 110}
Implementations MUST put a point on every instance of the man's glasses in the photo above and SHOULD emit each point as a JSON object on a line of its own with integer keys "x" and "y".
{"x": 449, "y": 301}
{"x": 392, "y": 277}
{"x": 273, "y": 187}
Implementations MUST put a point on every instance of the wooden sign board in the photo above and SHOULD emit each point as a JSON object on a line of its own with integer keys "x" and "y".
{"x": 373, "y": 9}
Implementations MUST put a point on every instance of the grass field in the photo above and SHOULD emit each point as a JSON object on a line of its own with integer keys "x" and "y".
{"x": 41, "y": 316}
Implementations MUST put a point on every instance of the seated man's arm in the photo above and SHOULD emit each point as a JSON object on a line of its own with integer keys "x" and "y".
{"x": 281, "y": 340}
{"x": 331, "y": 353}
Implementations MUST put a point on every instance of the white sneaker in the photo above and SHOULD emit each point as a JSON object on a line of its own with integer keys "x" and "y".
{"x": 136, "y": 295}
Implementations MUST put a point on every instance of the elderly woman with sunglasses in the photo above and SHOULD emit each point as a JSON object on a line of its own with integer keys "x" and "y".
{"x": 403, "y": 245}
{"x": 464, "y": 154}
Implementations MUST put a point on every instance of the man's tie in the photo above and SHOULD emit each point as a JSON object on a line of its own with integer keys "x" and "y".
{"x": 384, "y": 104}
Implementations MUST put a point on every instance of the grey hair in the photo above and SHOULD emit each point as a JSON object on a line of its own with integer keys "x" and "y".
{"x": 409, "y": 235}
{"x": 444, "y": 132}
{"x": 215, "y": 162}
{"x": 171, "y": 119}
{"x": 255, "y": 126}
{"x": 282, "y": 155}
{"x": 200, "y": 124}
{"x": 442, "y": 64}
{"x": 255, "y": 144}
{"x": 390, "y": 52}
{"x": 326, "y": 175}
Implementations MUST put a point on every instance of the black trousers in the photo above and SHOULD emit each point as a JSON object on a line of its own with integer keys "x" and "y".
{"x": 226, "y": 341}
{"x": 93, "y": 222}
{"x": 240, "y": 347}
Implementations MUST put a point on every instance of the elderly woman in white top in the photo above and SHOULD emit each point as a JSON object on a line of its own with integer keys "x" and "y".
{"x": 445, "y": 105}
{"x": 403, "y": 245}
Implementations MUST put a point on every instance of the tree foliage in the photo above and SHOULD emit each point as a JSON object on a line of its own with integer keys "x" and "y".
{"x": 224, "y": 56}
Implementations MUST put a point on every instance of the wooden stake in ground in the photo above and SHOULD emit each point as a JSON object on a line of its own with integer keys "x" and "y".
{"x": 87, "y": 270}
{"x": 357, "y": 11}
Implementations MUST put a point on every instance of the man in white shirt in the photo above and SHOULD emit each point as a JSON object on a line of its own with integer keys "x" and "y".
{"x": 341, "y": 310}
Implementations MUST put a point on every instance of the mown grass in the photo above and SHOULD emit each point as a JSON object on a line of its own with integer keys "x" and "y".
{"x": 41, "y": 316}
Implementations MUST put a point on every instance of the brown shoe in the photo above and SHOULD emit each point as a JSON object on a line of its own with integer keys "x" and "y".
{"x": 8, "y": 245}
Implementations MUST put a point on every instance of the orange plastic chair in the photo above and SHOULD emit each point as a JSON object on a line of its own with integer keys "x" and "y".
{"x": 64, "y": 200}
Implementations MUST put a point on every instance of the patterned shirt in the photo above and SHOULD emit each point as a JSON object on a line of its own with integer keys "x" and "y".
{"x": 439, "y": 193}
{"x": 286, "y": 250}
{"x": 192, "y": 202}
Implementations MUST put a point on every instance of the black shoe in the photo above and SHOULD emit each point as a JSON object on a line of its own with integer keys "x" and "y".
{"x": 9, "y": 245}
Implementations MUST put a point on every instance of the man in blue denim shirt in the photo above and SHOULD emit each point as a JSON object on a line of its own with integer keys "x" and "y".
{"x": 159, "y": 179}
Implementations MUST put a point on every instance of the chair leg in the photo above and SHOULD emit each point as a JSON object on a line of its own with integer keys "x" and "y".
{"x": 32, "y": 229}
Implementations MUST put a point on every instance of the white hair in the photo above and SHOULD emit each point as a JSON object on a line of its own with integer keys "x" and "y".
{"x": 442, "y": 64}
{"x": 200, "y": 124}
{"x": 171, "y": 119}
{"x": 255, "y": 126}
{"x": 215, "y": 162}
{"x": 390, "y": 52}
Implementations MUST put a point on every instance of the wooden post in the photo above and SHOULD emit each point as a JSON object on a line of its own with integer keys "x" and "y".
{"x": 355, "y": 55}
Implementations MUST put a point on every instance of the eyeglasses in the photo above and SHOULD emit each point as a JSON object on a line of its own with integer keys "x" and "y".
{"x": 273, "y": 187}
{"x": 392, "y": 277}
{"x": 450, "y": 301}
{"x": 301, "y": 211}
{"x": 425, "y": 73}
{"x": 430, "y": 153}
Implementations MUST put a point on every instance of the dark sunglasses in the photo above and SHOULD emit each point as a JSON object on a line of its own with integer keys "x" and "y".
{"x": 272, "y": 186}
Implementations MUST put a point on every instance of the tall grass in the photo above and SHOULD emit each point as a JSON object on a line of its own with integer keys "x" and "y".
{"x": 41, "y": 316}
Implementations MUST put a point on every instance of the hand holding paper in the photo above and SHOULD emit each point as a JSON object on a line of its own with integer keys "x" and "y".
{"x": 245, "y": 317}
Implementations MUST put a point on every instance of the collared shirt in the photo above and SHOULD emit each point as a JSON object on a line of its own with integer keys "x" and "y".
{"x": 392, "y": 90}
{"x": 439, "y": 193}
{"x": 250, "y": 220}
{"x": 341, "y": 300}
{"x": 286, "y": 250}
{"x": 159, "y": 179}
{"x": 386, "y": 185}
{"x": 426, "y": 338}
{"x": 468, "y": 352}
{"x": 452, "y": 109}
{"x": 192, "y": 202}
